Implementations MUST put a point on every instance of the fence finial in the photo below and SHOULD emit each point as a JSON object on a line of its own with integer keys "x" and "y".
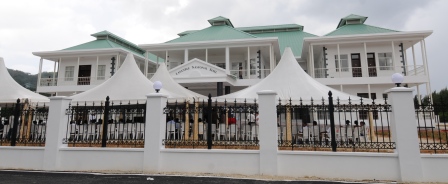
{"x": 330, "y": 93}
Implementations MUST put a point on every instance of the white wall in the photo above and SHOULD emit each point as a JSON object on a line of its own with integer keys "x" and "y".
{"x": 434, "y": 167}
{"x": 359, "y": 166}
{"x": 210, "y": 161}
{"x": 28, "y": 158}
{"x": 101, "y": 159}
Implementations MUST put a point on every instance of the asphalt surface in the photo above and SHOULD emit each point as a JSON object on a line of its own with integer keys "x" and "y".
{"x": 25, "y": 177}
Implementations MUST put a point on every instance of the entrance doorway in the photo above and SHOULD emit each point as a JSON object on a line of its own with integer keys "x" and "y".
{"x": 371, "y": 64}
{"x": 84, "y": 74}
{"x": 356, "y": 65}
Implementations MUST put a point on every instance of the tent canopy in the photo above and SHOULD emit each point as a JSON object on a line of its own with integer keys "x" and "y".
{"x": 169, "y": 84}
{"x": 11, "y": 90}
{"x": 127, "y": 85}
{"x": 290, "y": 82}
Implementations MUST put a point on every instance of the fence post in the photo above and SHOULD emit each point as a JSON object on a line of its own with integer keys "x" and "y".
{"x": 155, "y": 128}
{"x": 209, "y": 122}
{"x": 404, "y": 134}
{"x": 105, "y": 123}
{"x": 56, "y": 130}
{"x": 16, "y": 123}
{"x": 268, "y": 132}
{"x": 332, "y": 128}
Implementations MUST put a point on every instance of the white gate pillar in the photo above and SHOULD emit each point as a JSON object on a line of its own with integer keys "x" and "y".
{"x": 404, "y": 134}
{"x": 56, "y": 130}
{"x": 154, "y": 131}
{"x": 268, "y": 132}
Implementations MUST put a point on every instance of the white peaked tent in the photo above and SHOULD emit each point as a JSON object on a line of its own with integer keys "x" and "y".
{"x": 10, "y": 90}
{"x": 169, "y": 84}
{"x": 290, "y": 82}
{"x": 127, "y": 85}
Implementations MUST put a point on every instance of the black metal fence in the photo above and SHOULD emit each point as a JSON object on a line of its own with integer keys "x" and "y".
{"x": 23, "y": 124}
{"x": 203, "y": 124}
{"x": 101, "y": 125}
{"x": 432, "y": 123}
{"x": 357, "y": 127}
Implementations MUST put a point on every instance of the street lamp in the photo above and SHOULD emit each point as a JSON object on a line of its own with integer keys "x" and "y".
{"x": 157, "y": 86}
{"x": 397, "y": 78}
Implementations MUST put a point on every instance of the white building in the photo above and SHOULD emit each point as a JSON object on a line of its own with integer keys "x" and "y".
{"x": 355, "y": 58}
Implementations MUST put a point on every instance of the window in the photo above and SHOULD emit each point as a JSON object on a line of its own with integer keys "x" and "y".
{"x": 69, "y": 73}
{"x": 101, "y": 72}
{"x": 344, "y": 62}
{"x": 385, "y": 61}
{"x": 366, "y": 95}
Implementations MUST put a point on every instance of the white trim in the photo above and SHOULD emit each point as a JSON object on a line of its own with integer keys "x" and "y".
{"x": 208, "y": 44}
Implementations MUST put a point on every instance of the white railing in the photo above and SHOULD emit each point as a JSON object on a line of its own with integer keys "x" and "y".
{"x": 83, "y": 80}
{"x": 375, "y": 71}
{"x": 48, "y": 82}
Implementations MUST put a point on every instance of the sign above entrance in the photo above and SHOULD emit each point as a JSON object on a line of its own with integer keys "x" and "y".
{"x": 197, "y": 68}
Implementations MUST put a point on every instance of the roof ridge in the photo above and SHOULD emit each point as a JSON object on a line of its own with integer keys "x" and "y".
{"x": 199, "y": 31}
{"x": 242, "y": 31}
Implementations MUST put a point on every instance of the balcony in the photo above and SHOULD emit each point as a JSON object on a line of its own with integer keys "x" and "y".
{"x": 377, "y": 71}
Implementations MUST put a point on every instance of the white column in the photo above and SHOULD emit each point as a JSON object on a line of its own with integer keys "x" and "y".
{"x": 56, "y": 130}
{"x": 404, "y": 134}
{"x": 413, "y": 59}
{"x": 185, "y": 55}
{"x": 40, "y": 72}
{"x": 118, "y": 62}
{"x": 146, "y": 64}
{"x": 393, "y": 57}
{"x": 154, "y": 131}
{"x": 76, "y": 73}
{"x": 418, "y": 95}
{"x": 206, "y": 55}
{"x": 342, "y": 88}
{"x": 54, "y": 74}
{"x": 405, "y": 56}
{"x": 366, "y": 64}
{"x": 268, "y": 132}
{"x": 166, "y": 59}
{"x": 339, "y": 62}
{"x": 97, "y": 61}
{"x": 428, "y": 84}
{"x": 271, "y": 58}
{"x": 227, "y": 61}
{"x": 368, "y": 90}
{"x": 312, "y": 61}
{"x": 248, "y": 62}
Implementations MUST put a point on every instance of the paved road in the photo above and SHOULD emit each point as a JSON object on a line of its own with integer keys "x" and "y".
{"x": 26, "y": 177}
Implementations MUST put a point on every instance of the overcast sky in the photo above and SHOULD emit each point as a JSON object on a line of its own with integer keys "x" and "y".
{"x": 30, "y": 26}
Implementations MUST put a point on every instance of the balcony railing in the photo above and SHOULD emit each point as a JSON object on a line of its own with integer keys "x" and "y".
{"x": 374, "y": 71}
{"x": 83, "y": 80}
{"x": 48, "y": 82}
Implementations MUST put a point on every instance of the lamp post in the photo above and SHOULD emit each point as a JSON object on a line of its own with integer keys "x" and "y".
{"x": 397, "y": 78}
{"x": 157, "y": 86}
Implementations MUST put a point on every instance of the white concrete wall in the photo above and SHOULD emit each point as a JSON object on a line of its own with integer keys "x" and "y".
{"x": 210, "y": 161}
{"x": 434, "y": 167}
{"x": 29, "y": 158}
{"x": 359, "y": 166}
{"x": 101, "y": 159}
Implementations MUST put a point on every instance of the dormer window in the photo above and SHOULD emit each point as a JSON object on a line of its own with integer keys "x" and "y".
{"x": 220, "y": 23}
{"x": 354, "y": 21}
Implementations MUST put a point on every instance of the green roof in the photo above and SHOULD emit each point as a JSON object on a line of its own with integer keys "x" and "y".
{"x": 186, "y": 32}
{"x": 352, "y": 29}
{"x": 213, "y": 33}
{"x": 293, "y": 39}
{"x": 220, "y": 21}
{"x": 352, "y": 17}
{"x": 271, "y": 28}
{"x": 107, "y": 40}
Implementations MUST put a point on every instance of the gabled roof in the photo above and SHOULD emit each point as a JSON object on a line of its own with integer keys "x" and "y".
{"x": 292, "y": 39}
{"x": 358, "y": 29}
{"x": 222, "y": 32}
